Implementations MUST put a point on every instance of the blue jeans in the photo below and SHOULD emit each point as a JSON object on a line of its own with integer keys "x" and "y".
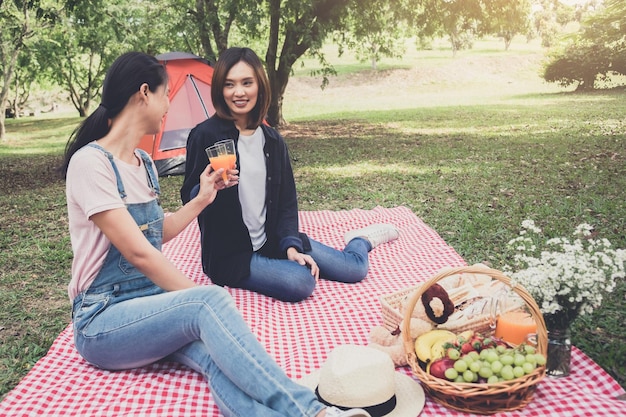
{"x": 289, "y": 281}
{"x": 128, "y": 327}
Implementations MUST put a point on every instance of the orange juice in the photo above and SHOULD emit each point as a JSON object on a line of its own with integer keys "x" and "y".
{"x": 514, "y": 326}
{"x": 226, "y": 161}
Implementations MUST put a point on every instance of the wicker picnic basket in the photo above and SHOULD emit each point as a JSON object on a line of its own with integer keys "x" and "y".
{"x": 474, "y": 397}
{"x": 391, "y": 307}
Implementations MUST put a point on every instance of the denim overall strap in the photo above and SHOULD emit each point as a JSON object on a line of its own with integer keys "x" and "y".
{"x": 120, "y": 185}
{"x": 152, "y": 176}
{"x": 118, "y": 279}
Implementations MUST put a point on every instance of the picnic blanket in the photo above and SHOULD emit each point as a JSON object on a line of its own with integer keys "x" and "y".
{"x": 299, "y": 336}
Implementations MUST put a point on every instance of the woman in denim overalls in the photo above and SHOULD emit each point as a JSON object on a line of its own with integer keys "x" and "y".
{"x": 131, "y": 306}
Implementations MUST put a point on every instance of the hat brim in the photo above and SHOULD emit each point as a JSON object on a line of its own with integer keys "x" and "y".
{"x": 410, "y": 398}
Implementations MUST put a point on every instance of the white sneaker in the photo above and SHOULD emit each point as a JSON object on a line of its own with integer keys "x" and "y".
{"x": 353, "y": 412}
{"x": 376, "y": 234}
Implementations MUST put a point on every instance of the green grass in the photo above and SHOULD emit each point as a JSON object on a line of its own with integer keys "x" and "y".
{"x": 471, "y": 163}
{"x": 43, "y": 136}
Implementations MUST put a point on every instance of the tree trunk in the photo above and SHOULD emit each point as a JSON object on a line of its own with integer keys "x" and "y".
{"x": 3, "y": 132}
{"x": 588, "y": 83}
{"x": 278, "y": 84}
{"x": 455, "y": 42}
{"x": 507, "y": 42}
{"x": 10, "y": 68}
{"x": 213, "y": 25}
{"x": 275, "y": 114}
{"x": 204, "y": 32}
{"x": 278, "y": 75}
{"x": 4, "y": 94}
{"x": 308, "y": 29}
{"x": 82, "y": 112}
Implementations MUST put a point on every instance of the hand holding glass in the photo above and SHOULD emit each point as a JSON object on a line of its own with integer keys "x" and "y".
{"x": 222, "y": 155}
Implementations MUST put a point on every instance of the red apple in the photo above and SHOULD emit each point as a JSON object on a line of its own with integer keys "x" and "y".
{"x": 439, "y": 366}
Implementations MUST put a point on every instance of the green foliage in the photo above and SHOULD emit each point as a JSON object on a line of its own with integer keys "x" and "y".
{"x": 88, "y": 36}
{"x": 220, "y": 24}
{"x": 79, "y": 41}
{"x": 21, "y": 25}
{"x": 608, "y": 24}
{"x": 458, "y": 20}
{"x": 506, "y": 19}
{"x": 160, "y": 26}
{"x": 595, "y": 53}
{"x": 373, "y": 31}
{"x": 296, "y": 27}
{"x": 545, "y": 22}
{"x": 78, "y": 49}
{"x": 578, "y": 63}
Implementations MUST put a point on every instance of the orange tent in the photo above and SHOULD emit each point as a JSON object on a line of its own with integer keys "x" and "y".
{"x": 190, "y": 103}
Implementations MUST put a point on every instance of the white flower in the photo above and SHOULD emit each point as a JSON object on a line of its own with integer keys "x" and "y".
{"x": 583, "y": 230}
{"x": 564, "y": 276}
{"x": 530, "y": 226}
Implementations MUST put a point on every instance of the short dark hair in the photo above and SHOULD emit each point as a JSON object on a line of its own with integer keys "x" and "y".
{"x": 226, "y": 61}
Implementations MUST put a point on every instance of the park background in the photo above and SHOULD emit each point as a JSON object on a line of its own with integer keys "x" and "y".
{"x": 473, "y": 141}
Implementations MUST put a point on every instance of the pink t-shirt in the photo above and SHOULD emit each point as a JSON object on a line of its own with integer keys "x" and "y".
{"x": 91, "y": 188}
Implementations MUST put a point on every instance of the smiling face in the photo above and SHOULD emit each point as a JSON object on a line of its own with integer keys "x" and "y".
{"x": 240, "y": 92}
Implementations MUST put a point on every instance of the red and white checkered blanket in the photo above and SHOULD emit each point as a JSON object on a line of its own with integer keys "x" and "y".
{"x": 299, "y": 336}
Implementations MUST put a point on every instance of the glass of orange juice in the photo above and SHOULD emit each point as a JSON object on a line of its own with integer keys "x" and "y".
{"x": 515, "y": 326}
{"x": 222, "y": 155}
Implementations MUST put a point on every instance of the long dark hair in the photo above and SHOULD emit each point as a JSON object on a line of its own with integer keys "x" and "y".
{"x": 226, "y": 61}
{"x": 123, "y": 79}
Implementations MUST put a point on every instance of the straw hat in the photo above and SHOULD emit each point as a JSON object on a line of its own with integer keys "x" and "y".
{"x": 363, "y": 377}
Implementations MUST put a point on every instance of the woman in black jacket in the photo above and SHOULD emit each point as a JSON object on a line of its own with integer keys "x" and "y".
{"x": 250, "y": 236}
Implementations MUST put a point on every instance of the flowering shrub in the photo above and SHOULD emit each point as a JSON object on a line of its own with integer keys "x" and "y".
{"x": 566, "y": 278}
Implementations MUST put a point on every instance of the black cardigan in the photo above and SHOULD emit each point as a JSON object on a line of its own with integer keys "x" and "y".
{"x": 226, "y": 245}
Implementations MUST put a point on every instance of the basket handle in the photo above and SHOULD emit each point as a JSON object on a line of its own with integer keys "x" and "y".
{"x": 542, "y": 334}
